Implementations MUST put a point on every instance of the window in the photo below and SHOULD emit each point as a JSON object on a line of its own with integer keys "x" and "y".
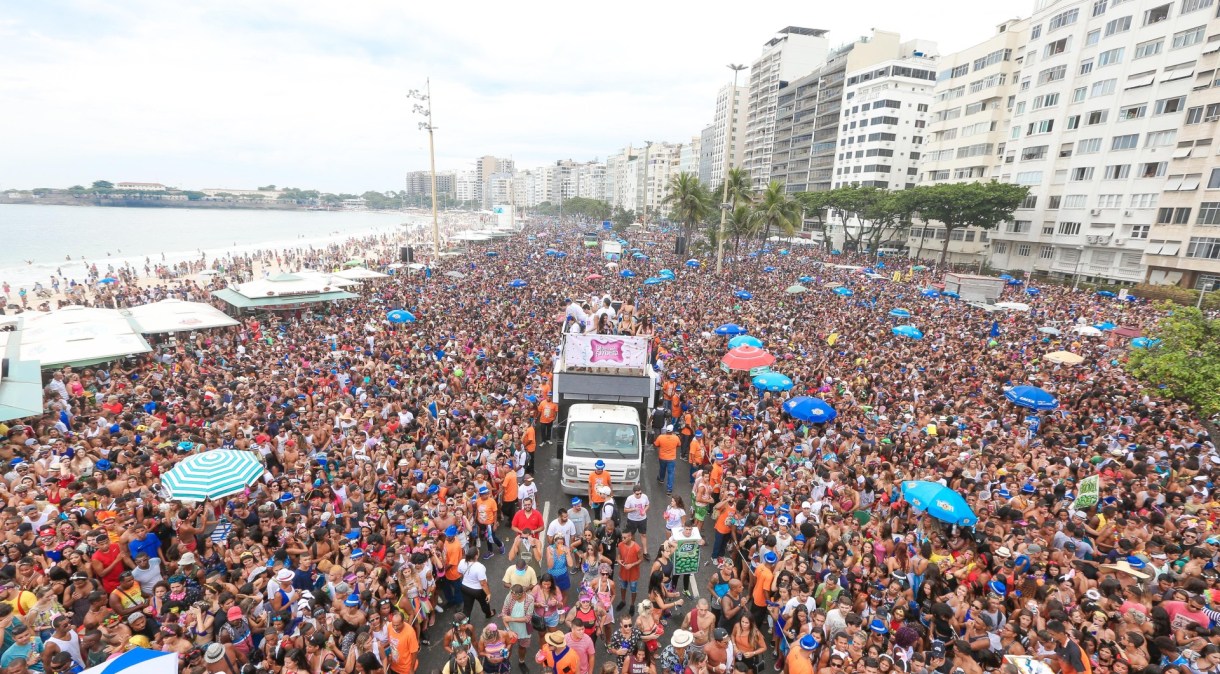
{"x": 1104, "y": 88}
{"x": 1052, "y": 74}
{"x": 1062, "y": 19}
{"x": 1194, "y": 115}
{"x": 1073, "y": 122}
{"x": 1176, "y": 216}
{"x": 1001, "y": 247}
{"x": 1018, "y": 227}
{"x": 1035, "y": 32}
{"x": 1024, "y": 249}
{"x": 1074, "y": 201}
{"x": 993, "y": 58}
{"x": 1044, "y": 126}
{"x": 1132, "y": 112}
{"x": 1206, "y": 247}
{"x": 1092, "y": 37}
{"x": 1187, "y": 38}
{"x": 1069, "y": 255}
{"x": 1079, "y": 93}
{"x": 1029, "y": 177}
{"x": 1099, "y": 7}
{"x": 1052, "y": 204}
{"x": 1160, "y": 138}
{"x": 1030, "y": 201}
{"x": 1045, "y": 101}
{"x": 1117, "y": 172}
{"x": 1034, "y": 153}
{"x": 1140, "y": 231}
{"x": 1057, "y": 47}
{"x": 1046, "y": 252}
{"x": 1209, "y": 213}
{"x": 1153, "y": 169}
{"x": 1213, "y": 183}
{"x": 1089, "y": 146}
{"x": 1110, "y": 57}
{"x": 1120, "y": 25}
{"x": 1194, "y": 5}
{"x": 1069, "y": 228}
{"x": 1181, "y": 216}
{"x": 1166, "y": 106}
{"x": 1143, "y": 200}
{"x": 1065, "y": 150}
{"x": 1125, "y": 142}
{"x": 1082, "y": 173}
{"x": 1096, "y": 117}
{"x": 1156, "y": 14}
{"x": 1150, "y": 48}
{"x": 1048, "y": 229}
{"x": 1110, "y": 201}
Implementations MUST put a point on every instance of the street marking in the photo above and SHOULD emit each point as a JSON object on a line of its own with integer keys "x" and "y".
{"x": 694, "y": 586}
{"x": 546, "y": 514}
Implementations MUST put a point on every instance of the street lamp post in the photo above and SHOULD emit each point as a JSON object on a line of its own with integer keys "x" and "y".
{"x": 424, "y": 109}
{"x": 1076, "y": 271}
{"x": 728, "y": 159}
{"x": 983, "y": 257}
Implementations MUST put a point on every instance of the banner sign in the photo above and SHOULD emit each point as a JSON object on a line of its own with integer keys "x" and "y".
{"x": 605, "y": 351}
{"x": 686, "y": 557}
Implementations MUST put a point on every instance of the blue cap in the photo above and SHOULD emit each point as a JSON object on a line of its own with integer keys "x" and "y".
{"x": 357, "y": 553}
{"x": 808, "y": 643}
{"x": 353, "y": 599}
{"x": 576, "y": 500}
{"x": 19, "y": 460}
{"x": 1028, "y": 488}
{"x": 698, "y": 434}
{"x": 599, "y": 464}
{"x": 317, "y": 482}
{"x": 353, "y": 534}
{"x": 1136, "y": 562}
{"x": 878, "y": 626}
{"x": 997, "y": 587}
{"x": 769, "y": 509}
{"x": 284, "y": 498}
{"x": 1004, "y": 493}
{"x": 451, "y": 530}
{"x": 434, "y": 488}
{"x": 770, "y": 558}
{"x": 114, "y": 428}
{"x": 400, "y": 528}
{"x": 483, "y": 490}
{"x": 102, "y": 464}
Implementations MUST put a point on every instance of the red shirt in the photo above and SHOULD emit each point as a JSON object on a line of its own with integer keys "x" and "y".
{"x": 110, "y": 581}
{"x": 531, "y": 521}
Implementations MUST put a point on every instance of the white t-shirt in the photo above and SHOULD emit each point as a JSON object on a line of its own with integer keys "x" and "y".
{"x": 526, "y": 491}
{"x": 565, "y": 529}
{"x": 474, "y": 574}
{"x": 674, "y": 517}
{"x": 636, "y": 507}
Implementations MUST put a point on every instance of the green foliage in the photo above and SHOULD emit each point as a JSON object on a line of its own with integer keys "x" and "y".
{"x": 298, "y": 196}
{"x": 589, "y": 209}
{"x": 688, "y": 200}
{"x": 267, "y": 188}
{"x": 742, "y": 223}
{"x": 622, "y": 218}
{"x": 381, "y": 200}
{"x": 193, "y": 196}
{"x": 957, "y": 205}
{"x": 1187, "y": 361}
{"x": 776, "y": 209}
{"x": 103, "y": 185}
{"x": 739, "y": 188}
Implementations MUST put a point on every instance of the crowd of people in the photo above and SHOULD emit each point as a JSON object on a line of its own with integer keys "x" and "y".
{"x": 400, "y": 459}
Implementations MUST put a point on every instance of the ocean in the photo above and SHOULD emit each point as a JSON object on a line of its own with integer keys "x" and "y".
{"x": 37, "y": 238}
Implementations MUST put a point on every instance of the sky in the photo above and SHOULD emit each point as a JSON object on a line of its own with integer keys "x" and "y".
{"x": 313, "y": 94}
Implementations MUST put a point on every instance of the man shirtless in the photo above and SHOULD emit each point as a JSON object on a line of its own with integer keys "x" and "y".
{"x": 700, "y": 621}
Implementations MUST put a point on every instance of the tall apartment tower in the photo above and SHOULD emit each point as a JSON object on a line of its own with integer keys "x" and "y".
{"x": 1184, "y": 244}
{"x": 792, "y": 53}
{"x": 1097, "y": 116}
{"x": 728, "y": 131}
{"x": 967, "y": 129}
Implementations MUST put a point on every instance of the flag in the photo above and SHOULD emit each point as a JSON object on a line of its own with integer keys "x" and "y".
{"x": 1087, "y": 497}
{"x": 433, "y": 411}
{"x": 830, "y": 341}
{"x": 995, "y": 328}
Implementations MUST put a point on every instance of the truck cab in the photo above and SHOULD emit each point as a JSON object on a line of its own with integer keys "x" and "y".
{"x": 604, "y": 388}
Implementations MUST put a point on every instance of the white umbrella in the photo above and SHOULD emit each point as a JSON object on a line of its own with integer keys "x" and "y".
{"x": 1048, "y": 330}
{"x": 1087, "y": 330}
{"x": 455, "y": 274}
{"x": 1013, "y": 306}
{"x": 212, "y": 475}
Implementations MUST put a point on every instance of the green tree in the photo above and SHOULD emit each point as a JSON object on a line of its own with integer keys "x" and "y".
{"x": 103, "y": 185}
{"x": 742, "y": 223}
{"x": 688, "y": 199}
{"x": 622, "y": 218}
{"x": 815, "y": 205}
{"x": 193, "y": 196}
{"x": 957, "y": 205}
{"x": 740, "y": 191}
{"x": 589, "y": 209}
{"x": 776, "y": 209}
{"x": 267, "y": 188}
{"x": 1187, "y": 361}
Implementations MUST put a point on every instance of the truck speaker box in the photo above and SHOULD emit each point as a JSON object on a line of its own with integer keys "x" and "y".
{"x": 680, "y": 245}
{"x": 406, "y": 254}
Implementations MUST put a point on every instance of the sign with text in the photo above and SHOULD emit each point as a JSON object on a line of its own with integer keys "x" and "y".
{"x": 605, "y": 351}
{"x": 686, "y": 557}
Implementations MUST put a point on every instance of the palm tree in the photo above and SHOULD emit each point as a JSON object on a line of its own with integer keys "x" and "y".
{"x": 777, "y": 209}
{"x": 742, "y": 222}
{"x": 739, "y": 187}
{"x": 689, "y": 200}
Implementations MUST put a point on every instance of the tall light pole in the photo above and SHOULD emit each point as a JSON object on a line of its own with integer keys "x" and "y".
{"x": 728, "y": 165}
{"x": 983, "y": 257}
{"x": 1076, "y": 272}
{"x": 424, "y": 109}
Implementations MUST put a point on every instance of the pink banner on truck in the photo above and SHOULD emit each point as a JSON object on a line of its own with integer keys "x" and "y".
{"x": 606, "y": 351}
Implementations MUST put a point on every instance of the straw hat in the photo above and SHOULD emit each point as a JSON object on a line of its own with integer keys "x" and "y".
{"x": 681, "y": 639}
{"x": 555, "y": 639}
{"x": 1125, "y": 567}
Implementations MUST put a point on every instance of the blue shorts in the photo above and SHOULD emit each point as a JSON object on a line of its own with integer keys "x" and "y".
{"x": 632, "y": 585}
{"x": 563, "y": 581}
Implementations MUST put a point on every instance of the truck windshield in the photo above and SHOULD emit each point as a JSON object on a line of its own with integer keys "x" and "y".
{"x": 597, "y": 439}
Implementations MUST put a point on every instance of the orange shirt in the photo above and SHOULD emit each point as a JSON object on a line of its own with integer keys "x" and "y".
{"x": 485, "y": 509}
{"x": 675, "y": 406}
{"x": 717, "y": 476}
{"x": 799, "y": 661}
{"x": 596, "y": 480}
{"x": 547, "y": 411}
{"x": 628, "y": 552}
{"x": 562, "y": 661}
{"x": 763, "y": 576}
{"x": 667, "y": 446}
{"x": 697, "y": 456}
{"x": 454, "y": 553}
{"x": 668, "y": 388}
{"x": 722, "y": 521}
{"x": 404, "y": 649}
{"x": 528, "y": 440}
{"x": 688, "y": 424}
{"x": 508, "y": 487}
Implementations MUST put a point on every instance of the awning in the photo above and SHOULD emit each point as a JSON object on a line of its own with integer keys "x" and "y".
{"x": 80, "y": 336}
{"x": 1211, "y": 47}
{"x": 360, "y": 274}
{"x": 240, "y": 301}
{"x": 173, "y": 315}
{"x": 1181, "y": 152}
{"x": 1139, "y": 82}
{"x": 1156, "y": 277}
{"x": 1173, "y": 277}
{"x": 1178, "y": 74}
{"x": 20, "y": 381}
{"x": 1171, "y": 248}
{"x": 1190, "y": 183}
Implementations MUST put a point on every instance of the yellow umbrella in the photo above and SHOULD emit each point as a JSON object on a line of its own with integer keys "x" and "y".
{"x": 1065, "y": 357}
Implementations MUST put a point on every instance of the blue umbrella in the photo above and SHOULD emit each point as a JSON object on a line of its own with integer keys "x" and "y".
{"x": 768, "y": 269}
{"x": 730, "y": 329}
{"x": 1006, "y": 277}
{"x": 1033, "y": 291}
{"x": 491, "y": 253}
{"x": 626, "y": 273}
{"x": 743, "y": 295}
{"x": 1031, "y": 397}
{"x": 806, "y": 279}
{"x": 950, "y": 293}
{"x": 1140, "y": 342}
{"x": 1105, "y": 326}
{"x": 809, "y": 409}
{"x": 908, "y": 331}
{"x": 517, "y": 283}
{"x": 772, "y": 381}
{"x": 900, "y": 313}
{"x": 551, "y": 252}
{"x": 108, "y": 280}
{"x": 843, "y": 292}
{"x": 694, "y": 264}
{"x": 938, "y": 501}
{"x": 1015, "y": 282}
{"x": 836, "y": 251}
{"x": 560, "y": 254}
{"x": 653, "y": 281}
{"x": 400, "y": 316}
{"x": 930, "y": 292}
{"x": 1105, "y": 293}
{"x": 666, "y": 274}
{"x": 639, "y": 256}
{"x": 745, "y": 340}
{"x": 783, "y": 251}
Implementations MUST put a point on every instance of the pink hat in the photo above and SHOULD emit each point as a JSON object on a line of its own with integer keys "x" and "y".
{"x": 234, "y": 613}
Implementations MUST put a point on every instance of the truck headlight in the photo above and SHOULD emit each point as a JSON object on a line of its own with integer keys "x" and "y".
{"x": 569, "y": 471}
{"x": 633, "y": 474}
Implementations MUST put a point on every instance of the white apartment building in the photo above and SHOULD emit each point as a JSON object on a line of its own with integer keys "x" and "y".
{"x": 644, "y": 189}
{"x": 1184, "y": 245}
{"x": 688, "y": 156}
{"x": 589, "y": 180}
{"x": 707, "y": 158}
{"x": 523, "y": 189}
{"x": 793, "y": 52}
{"x": 467, "y": 187}
{"x": 967, "y": 128}
{"x": 730, "y": 131}
{"x": 1101, "y": 97}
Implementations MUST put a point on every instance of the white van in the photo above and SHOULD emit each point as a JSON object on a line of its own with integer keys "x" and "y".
{"x": 611, "y": 433}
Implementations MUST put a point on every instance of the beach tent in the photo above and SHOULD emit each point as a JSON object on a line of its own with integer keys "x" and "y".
{"x": 79, "y": 336}
{"x": 20, "y": 381}
{"x": 172, "y": 315}
{"x": 360, "y": 274}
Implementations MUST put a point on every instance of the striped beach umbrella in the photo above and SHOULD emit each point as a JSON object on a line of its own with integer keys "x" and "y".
{"x": 212, "y": 475}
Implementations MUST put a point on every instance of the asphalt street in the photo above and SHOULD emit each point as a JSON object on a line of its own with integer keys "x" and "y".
{"x": 550, "y": 499}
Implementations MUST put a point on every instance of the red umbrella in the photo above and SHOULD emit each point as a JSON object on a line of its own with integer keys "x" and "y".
{"x": 1127, "y": 332}
{"x": 593, "y": 277}
{"x": 746, "y": 358}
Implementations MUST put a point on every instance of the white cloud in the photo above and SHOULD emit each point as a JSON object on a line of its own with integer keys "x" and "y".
{"x": 312, "y": 93}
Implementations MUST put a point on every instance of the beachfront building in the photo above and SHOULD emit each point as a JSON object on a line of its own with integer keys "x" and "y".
{"x": 792, "y": 53}
{"x": 1184, "y": 242}
{"x": 707, "y": 156}
{"x": 141, "y": 187}
{"x": 725, "y": 130}
{"x": 419, "y": 184}
{"x": 967, "y": 128}
{"x": 1097, "y": 116}
{"x": 485, "y": 168}
{"x": 689, "y": 155}
{"x": 467, "y": 188}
